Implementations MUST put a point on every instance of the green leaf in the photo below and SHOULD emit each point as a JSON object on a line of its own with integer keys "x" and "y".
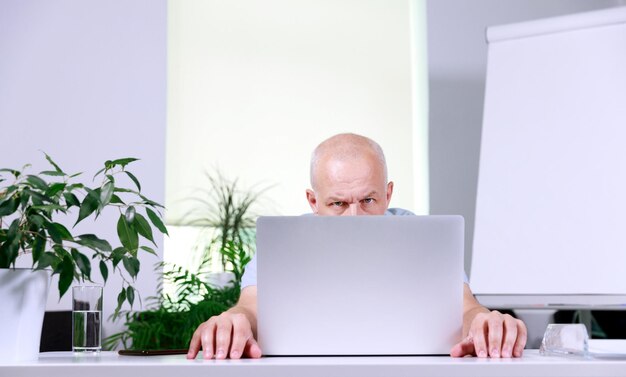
{"x": 83, "y": 263}
{"x": 149, "y": 250}
{"x": 58, "y": 232}
{"x": 10, "y": 189}
{"x": 117, "y": 255}
{"x": 36, "y": 219}
{"x": 116, "y": 200}
{"x": 130, "y": 215}
{"x": 134, "y": 179}
{"x": 46, "y": 260}
{"x": 106, "y": 194}
{"x": 15, "y": 173}
{"x": 56, "y": 167}
{"x": 25, "y": 197}
{"x": 144, "y": 228}
{"x": 9, "y": 206}
{"x": 131, "y": 264}
{"x": 156, "y": 220}
{"x": 66, "y": 276}
{"x": 9, "y": 252}
{"x": 121, "y": 162}
{"x": 121, "y": 297}
{"x": 92, "y": 241}
{"x": 99, "y": 171}
{"x": 49, "y": 207}
{"x": 104, "y": 270}
{"x": 89, "y": 204}
{"x": 61, "y": 252}
{"x": 130, "y": 295}
{"x": 150, "y": 202}
{"x": 127, "y": 234}
{"x": 52, "y": 173}
{"x": 37, "y": 182}
{"x": 71, "y": 200}
{"x": 40, "y": 198}
{"x": 39, "y": 245}
{"x": 55, "y": 188}
{"x": 75, "y": 186}
{"x": 12, "y": 234}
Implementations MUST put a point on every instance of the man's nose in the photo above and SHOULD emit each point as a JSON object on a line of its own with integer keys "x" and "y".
{"x": 353, "y": 210}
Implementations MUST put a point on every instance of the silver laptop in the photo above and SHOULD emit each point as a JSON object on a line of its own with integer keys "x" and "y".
{"x": 359, "y": 285}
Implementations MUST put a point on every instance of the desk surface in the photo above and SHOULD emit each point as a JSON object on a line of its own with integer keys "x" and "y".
{"x": 65, "y": 364}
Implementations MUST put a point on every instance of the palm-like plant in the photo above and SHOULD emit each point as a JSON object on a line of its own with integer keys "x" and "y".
{"x": 224, "y": 211}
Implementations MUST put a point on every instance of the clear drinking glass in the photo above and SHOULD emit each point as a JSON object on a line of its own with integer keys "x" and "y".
{"x": 86, "y": 318}
{"x": 565, "y": 340}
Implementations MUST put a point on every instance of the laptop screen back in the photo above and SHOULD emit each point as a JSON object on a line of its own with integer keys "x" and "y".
{"x": 359, "y": 285}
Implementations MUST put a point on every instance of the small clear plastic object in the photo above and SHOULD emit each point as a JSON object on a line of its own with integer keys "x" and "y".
{"x": 565, "y": 340}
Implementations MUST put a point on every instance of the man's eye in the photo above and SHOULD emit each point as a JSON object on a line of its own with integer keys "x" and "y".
{"x": 337, "y": 204}
{"x": 368, "y": 200}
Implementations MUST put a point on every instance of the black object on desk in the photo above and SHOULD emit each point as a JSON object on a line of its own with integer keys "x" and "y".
{"x": 152, "y": 352}
{"x": 56, "y": 334}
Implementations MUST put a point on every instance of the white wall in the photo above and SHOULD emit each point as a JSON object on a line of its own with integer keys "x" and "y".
{"x": 255, "y": 86}
{"x": 85, "y": 82}
{"x": 457, "y": 57}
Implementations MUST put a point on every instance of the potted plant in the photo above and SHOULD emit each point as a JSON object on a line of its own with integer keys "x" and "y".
{"x": 30, "y": 208}
{"x": 223, "y": 211}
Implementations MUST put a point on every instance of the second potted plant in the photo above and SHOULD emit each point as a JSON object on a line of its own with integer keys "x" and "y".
{"x": 30, "y": 208}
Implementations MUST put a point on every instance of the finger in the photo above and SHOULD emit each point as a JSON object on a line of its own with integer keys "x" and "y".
{"x": 194, "y": 344}
{"x": 494, "y": 330}
{"x": 252, "y": 349}
{"x": 478, "y": 334}
{"x": 207, "y": 336}
{"x": 522, "y": 336}
{"x": 241, "y": 334}
{"x": 463, "y": 348}
{"x": 222, "y": 338}
{"x": 510, "y": 335}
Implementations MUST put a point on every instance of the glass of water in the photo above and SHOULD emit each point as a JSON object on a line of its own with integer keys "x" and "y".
{"x": 86, "y": 318}
{"x": 565, "y": 340}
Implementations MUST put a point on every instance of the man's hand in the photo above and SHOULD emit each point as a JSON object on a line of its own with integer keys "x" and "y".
{"x": 492, "y": 334}
{"x": 230, "y": 334}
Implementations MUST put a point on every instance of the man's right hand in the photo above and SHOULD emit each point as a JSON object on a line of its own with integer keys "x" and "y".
{"x": 230, "y": 334}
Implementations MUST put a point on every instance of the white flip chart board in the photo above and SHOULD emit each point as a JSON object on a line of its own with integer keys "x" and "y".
{"x": 551, "y": 202}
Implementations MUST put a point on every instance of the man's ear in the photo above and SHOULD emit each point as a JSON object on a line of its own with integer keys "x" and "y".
{"x": 389, "y": 192}
{"x": 310, "y": 197}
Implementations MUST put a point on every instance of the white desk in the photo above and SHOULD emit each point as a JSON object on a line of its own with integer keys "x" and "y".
{"x": 108, "y": 364}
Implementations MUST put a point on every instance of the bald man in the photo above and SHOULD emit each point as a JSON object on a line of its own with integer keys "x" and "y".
{"x": 349, "y": 177}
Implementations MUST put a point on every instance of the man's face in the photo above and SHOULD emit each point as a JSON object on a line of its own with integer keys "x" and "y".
{"x": 350, "y": 187}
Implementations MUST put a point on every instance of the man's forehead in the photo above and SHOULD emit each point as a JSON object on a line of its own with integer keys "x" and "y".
{"x": 346, "y": 169}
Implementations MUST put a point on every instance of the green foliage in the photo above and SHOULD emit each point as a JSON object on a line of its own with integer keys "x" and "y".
{"x": 29, "y": 205}
{"x": 170, "y": 323}
{"x": 224, "y": 211}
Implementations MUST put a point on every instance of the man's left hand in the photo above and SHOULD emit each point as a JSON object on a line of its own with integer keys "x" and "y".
{"x": 493, "y": 334}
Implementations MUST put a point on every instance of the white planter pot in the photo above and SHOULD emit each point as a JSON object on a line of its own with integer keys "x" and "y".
{"x": 23, "y": 296}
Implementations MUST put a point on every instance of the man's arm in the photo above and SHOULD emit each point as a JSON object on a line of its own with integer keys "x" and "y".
{"x": 230, "y": 334}
{"x": 488, "y": 333}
